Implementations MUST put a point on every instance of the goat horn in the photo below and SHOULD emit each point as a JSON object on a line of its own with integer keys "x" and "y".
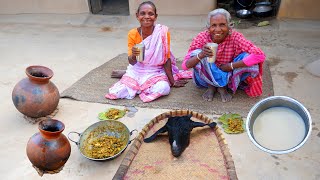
{"x": 151, "y": 138}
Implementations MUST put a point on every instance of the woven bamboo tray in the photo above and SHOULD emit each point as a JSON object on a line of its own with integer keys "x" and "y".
{"x": 207, "y": 156}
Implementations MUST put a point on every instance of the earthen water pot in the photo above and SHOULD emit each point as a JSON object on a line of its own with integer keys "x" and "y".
{"x": 36, "y": 96}
{"x": 49, "y": 149}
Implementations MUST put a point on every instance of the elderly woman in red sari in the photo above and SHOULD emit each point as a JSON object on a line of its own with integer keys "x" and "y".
{"x": 238, "y": 62}
{"x": 153, "y": 77}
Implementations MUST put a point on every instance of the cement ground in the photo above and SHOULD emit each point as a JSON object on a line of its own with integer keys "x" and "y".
{"x": 72, "y": 45}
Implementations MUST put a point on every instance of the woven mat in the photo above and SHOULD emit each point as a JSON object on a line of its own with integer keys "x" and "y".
{"x": 36, "y": 120}
{"x": 94, "y": 85}
{"x": 207, "y": 156}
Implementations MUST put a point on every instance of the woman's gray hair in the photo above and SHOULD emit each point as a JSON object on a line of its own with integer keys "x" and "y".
{"x": 223, "y": 12}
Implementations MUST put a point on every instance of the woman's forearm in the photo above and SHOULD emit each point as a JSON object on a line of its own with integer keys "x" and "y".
{"x": 238, "y": 64}
{"x": 193, "y": 61}
{"x": 253, "y": 59}
{"x": 168, "y": 70}
{"x": 250, "y": 60}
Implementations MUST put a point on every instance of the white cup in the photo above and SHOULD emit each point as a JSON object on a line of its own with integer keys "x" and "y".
{"x": 213, "y": 47}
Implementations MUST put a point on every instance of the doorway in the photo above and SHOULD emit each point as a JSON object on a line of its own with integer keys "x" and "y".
{"x": 109, "y": 7}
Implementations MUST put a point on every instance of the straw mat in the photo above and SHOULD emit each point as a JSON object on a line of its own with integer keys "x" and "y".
{"x": 206, "y": 157}
{"x": 94, "y": 85}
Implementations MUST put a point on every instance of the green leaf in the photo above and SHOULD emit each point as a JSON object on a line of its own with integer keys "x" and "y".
{"x": 224, "y": 120}
{"x": 102, "y": 115}
{"x": 225, "y": 126}
{"x": 263, "y": 23}
{"x": 235, "y": 116}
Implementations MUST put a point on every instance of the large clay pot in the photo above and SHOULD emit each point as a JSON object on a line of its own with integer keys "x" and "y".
{"x": 49, "y": 149}
{"x": 36, "y": 96}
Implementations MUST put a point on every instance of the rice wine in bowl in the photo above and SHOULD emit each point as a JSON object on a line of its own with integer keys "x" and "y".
{"x": 278, "y": 124}
{"x": 279, "y": 128}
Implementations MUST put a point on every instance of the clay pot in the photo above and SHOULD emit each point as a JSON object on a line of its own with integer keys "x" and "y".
{"x": 49, "y": 149}
{"x": 36, "y": 96}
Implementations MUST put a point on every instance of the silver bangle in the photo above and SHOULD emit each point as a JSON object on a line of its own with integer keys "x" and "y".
{"x": 231, "y": 66}
{"x": 198, "y": 57}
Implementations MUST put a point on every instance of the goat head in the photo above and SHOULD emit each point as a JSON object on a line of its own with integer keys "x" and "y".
{"x": 179, "y": 129}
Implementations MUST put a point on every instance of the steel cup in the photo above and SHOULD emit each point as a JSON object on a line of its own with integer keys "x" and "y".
{"x": 213, "y": 47}
{"x": 141, "y": 48}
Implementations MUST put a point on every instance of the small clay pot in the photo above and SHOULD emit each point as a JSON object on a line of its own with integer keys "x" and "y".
{"x": 36, "y": 96}
{"x": 49, "y": 149}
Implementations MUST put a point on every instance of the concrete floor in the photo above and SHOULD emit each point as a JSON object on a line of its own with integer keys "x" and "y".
{"x": 72, "y": 45}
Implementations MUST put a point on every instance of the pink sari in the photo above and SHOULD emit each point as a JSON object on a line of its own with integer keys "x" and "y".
{"x": 148, "y": 78}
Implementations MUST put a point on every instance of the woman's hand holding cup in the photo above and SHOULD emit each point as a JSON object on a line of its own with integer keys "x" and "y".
{"x": 212, "y": 48}
{"x": 135, "y": 51}
{"x": 206, "y": 51}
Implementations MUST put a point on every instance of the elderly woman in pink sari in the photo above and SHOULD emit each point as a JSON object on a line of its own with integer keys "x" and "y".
{"x": 238, "y": 62}
{"x": 153, "y": 77}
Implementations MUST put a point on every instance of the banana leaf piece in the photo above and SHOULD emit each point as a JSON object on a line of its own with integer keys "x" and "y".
{"x": 102, "y": 115}
{"x": 232, "y": 123}
{"x": 263, "y": 23}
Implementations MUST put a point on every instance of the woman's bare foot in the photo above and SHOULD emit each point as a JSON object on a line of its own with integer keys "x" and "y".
{"x": 117, "y": 73}
{"x": 209, "y": 94}
{"x": 225, "y": 96}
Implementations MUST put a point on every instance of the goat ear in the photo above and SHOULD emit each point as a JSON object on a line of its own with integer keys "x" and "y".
{"x": 197, "y": 124}
{"x": 212, "y": 125}
{"x": 151, "y": 138}
{"x": 200, "y": 124}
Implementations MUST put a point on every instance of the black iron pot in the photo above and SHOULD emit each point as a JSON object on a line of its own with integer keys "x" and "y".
{"x": 243, "y": 14}
{"x": 243, "y": 4}
{"x": 262, "y": 9}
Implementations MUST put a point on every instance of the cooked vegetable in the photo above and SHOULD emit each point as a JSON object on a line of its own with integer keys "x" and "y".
{"x": 102, "y": 144}
{"x": 112, "y": 114}
{"x": 232, "y": 123}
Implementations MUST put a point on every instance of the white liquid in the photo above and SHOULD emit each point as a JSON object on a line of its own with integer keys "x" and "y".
{"x": 279, "y": 128}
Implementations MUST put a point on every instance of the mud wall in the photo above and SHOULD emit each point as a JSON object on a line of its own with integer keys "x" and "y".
{"x": 299, "y": 9}
{"x": 178, "y": 7}
{"x": 164, "y": 7}
{"x": 43, "y": 6}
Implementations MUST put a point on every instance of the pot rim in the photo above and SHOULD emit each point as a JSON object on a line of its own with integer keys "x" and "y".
{"x": 249, "y": 130}
{"x": 41, "y": 125}
{"x": 45, "y": 70}
{"x": 263, "y": 3}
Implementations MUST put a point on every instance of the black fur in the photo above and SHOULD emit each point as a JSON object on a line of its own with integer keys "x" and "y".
{"x": 179, "y": 129}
